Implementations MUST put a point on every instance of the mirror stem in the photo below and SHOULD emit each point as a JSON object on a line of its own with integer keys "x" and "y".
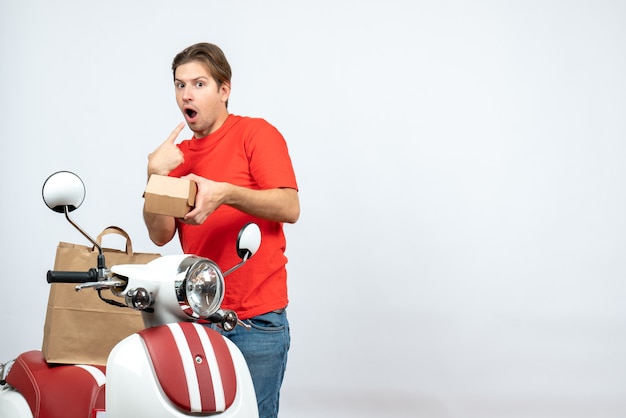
{"x": 101, "y": 262}
{"x": 245, "y": 258}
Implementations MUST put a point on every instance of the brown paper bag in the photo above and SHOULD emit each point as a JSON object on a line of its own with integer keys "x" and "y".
{"x": 80, "y": 328}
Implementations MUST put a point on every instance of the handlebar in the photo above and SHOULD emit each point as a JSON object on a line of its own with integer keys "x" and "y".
{"x": 72, "y": 276}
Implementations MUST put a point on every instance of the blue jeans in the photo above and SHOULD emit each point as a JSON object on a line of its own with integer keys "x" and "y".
{"x": 264, "y": 346}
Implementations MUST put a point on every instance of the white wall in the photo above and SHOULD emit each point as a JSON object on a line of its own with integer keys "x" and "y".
{"x": 461, "y": 247}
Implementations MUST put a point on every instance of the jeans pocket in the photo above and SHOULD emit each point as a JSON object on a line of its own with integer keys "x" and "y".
{"x": 269, "y": 322}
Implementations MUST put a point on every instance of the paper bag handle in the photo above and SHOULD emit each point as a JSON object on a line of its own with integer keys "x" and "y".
{"x": 119, "y": 231}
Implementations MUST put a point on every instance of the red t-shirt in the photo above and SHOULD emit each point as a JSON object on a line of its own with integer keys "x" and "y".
{"x": 247, "y": 152}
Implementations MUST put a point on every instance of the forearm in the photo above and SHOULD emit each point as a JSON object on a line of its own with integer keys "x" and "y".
{"x": 161, "y": 228}
{"x": 279, "y": 205}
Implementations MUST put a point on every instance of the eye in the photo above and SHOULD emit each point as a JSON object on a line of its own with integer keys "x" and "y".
{"x": 180, "y": 85}
{"x": 200, "y": 84}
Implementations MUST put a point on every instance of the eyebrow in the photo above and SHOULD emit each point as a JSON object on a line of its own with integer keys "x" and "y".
{"x": 193, "y": 79}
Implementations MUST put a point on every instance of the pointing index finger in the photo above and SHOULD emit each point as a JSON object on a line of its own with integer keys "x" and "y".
{"x": 172, "y": 138}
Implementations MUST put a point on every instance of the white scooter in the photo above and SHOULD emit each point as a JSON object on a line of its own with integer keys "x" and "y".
{"x": 173, "y": 368}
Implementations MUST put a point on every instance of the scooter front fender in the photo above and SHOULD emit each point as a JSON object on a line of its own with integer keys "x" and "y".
{"x": 133, "y": 387}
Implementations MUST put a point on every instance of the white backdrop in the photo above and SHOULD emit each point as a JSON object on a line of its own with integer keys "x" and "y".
{"x": 461, "y": 247}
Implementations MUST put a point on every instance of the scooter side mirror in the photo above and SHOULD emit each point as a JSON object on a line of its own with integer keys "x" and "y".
{"x": 248, "y": 241}
{"x": 64, "y": 192}
{"x": 63, "y": 189}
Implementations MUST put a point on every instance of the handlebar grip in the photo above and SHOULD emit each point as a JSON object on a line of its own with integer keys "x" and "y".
{"x": 72, "y": 276}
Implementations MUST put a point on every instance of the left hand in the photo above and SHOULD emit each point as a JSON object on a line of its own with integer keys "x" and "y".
{"x": 209, "y": 197}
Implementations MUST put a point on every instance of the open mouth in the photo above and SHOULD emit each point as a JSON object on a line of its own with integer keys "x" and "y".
{"x": 191, "y": 113}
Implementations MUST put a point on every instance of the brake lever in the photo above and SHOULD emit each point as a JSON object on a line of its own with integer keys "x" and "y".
{"x": 104, "y": 284}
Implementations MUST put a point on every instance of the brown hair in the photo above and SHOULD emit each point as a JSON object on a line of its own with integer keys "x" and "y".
{"x": 208, "y": 54}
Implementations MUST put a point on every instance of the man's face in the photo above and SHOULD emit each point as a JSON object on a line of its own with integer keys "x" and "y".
{"x": 200, "y": 99}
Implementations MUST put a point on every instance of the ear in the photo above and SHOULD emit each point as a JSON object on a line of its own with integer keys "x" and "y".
{"x": 225, "y": 91}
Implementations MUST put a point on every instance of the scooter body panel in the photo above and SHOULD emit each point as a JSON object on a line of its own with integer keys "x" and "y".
{"x": 13, "y": 404}
{"x": 133, "y": 388}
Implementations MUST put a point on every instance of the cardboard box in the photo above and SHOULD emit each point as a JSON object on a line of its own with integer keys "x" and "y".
{"x": 169, "y": 195}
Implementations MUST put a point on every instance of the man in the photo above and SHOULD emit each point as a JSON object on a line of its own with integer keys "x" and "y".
{"x": 244, "y": 174}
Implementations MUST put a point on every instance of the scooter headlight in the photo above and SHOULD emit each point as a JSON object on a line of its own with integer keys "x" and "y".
{"x": 202, "y": 289}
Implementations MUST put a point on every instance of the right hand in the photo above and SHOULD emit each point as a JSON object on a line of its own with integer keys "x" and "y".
{"x": 167, "y": 156}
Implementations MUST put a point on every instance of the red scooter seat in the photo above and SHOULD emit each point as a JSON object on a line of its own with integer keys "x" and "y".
{"x": 57, "y": 391}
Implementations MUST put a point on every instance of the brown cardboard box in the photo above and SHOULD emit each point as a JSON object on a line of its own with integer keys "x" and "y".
{"x": 169, "y": 195}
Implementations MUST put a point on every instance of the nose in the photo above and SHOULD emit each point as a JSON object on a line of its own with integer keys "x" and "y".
{"x": 186, "y": 94}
